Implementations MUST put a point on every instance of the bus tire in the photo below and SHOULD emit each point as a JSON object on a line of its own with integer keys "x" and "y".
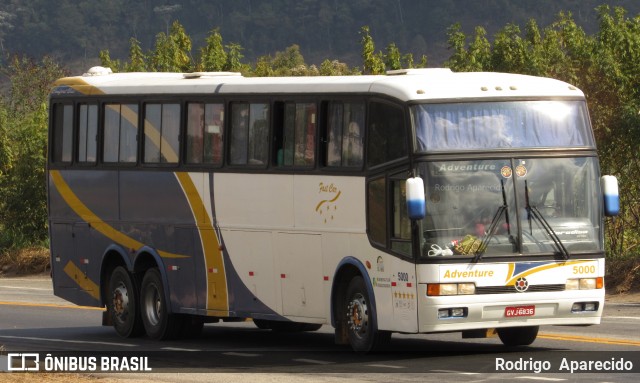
{"x": 158, "y": 322}
{"x": 362, "y": 331}
{"x": 518, "y": 336}
{"x": 122, "y": 304}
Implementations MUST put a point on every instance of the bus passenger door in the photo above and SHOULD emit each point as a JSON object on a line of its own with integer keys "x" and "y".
{"x": 301, "y": 279}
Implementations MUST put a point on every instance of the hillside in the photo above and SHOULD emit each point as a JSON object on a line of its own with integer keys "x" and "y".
{"x": 74, "y": 31}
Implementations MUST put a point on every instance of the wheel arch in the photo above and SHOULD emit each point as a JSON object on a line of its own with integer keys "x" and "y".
{"x": 348, "y": 268}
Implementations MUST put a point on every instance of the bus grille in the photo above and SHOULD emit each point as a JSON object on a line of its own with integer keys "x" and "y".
{"x": 511, "y": 289}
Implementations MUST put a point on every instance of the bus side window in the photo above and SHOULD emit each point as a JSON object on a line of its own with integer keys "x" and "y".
{"x": 87, "y": 133}
{"x": 377, "y": 211}
{"x": 249, "y": 134}
{"x": 205, "y": 128}
{"x": 296, "y": 145}
{"x": 401, "y": 233}
{"x": 120, "y": 133}
{"x": 161, "y": 133}
{"x": 62, "y": 133}
{"x": 387, "y": 134}
{"x": 345, "y": 134}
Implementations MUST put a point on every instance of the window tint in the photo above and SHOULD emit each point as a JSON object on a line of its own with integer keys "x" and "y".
{"x": 297, "y": 146}
{"x": 345, "y": 134}
{"x": 249, "y": 134}
{"x": 62, "y": 132}
{"x": 205, "y": 128}
{"x": 387, "y": 134}
{"x": 161, "y": 133}
{"x": 120, "y": 133}
{"x": 87, "y": 133}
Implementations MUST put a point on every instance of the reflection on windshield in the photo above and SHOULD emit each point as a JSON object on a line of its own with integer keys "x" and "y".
{"x": 479, "y": 208}
{"x": 501, "y": 125}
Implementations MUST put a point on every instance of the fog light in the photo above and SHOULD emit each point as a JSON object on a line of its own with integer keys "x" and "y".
{"x": 443, "y": 313}
{"x": 591, "y": 306}
{"x": 457, "y": 312}
{"x": 580, "y": 307}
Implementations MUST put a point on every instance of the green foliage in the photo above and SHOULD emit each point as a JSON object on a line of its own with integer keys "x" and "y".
{"x": 23, "y": 116}
{"x": 213, "y": 56}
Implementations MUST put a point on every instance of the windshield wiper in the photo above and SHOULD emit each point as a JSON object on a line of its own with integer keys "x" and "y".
{"x": 533, "y": 211}
{"x": 494, "y": 223}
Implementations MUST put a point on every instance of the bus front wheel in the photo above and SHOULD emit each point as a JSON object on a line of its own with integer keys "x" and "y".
{"x": 158, "y": 322}
{"x": 123, "y": 304}
{"x": 518, "y": 336}
{"x": 362, "y": 332}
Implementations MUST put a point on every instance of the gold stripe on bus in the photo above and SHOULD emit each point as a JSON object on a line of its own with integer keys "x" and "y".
{"x": 102, "y": 227}
{"x": 217, "y": 298}
{"x": 512, "y": 281}
{"x": 78, "y": 85}
{"x": 80, "y": 277}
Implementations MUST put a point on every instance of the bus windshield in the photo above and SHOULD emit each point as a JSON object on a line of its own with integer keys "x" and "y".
{"x": 511, "y": 206}
{"x": 501, "y": 125}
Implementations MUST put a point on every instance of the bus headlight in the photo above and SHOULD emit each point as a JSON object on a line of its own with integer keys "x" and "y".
{"x": 585, "y": 283}
{"x": 439, "y": 289}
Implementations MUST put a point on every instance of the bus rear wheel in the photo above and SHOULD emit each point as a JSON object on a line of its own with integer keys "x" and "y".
{"x": 154, "y": 308}
{"x": 518, "y": 336}
{"x": 362, "y": 331}
{"x": 123, "y": 304}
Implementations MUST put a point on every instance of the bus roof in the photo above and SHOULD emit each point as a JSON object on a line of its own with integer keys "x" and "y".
{"x": 404, "y": 85}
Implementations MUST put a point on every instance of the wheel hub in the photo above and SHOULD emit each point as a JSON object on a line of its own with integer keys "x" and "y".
{"x": 358, "y": 315}
{"x": 121, "y": 303}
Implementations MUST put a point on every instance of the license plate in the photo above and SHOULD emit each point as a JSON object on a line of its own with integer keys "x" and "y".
{"x": 519, "y": 311}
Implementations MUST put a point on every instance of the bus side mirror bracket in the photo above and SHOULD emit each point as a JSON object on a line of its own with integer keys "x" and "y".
{"x": 610, "y": 195}
{"x": 415, "y": 198}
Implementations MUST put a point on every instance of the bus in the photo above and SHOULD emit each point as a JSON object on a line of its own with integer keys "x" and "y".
{"x": 419, "y": 201}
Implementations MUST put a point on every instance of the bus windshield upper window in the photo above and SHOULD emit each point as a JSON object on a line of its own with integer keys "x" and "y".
{"x": 501, "y": 125}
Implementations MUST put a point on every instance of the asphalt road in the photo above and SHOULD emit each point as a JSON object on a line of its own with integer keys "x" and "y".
{"x": 33, "y": 320}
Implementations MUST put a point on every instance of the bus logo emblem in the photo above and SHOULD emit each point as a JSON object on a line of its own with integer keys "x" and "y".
{"x": 521, "y": 285}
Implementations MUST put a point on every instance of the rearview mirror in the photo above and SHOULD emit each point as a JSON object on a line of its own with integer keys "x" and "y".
{"x": 415, "y": 198}
{"x": 611, "y": 196}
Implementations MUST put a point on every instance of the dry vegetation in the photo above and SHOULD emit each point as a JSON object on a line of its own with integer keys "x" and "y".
{"x": 32, "y": 260}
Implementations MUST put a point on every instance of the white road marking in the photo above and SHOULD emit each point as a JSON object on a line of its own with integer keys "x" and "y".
{"x": 66, "y": 341}
{"x": 384, "y": 366}
{"x": 312, "y": 361}
{"x": 456, "y": 372}
{"x": 241, "y": 354}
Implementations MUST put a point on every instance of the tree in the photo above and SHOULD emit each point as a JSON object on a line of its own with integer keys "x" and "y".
{"x": 373, "y": 63}
{"x": 172, "y": 52}
{"x": 213, "y": 56}
{"x": 23, "y": 116}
